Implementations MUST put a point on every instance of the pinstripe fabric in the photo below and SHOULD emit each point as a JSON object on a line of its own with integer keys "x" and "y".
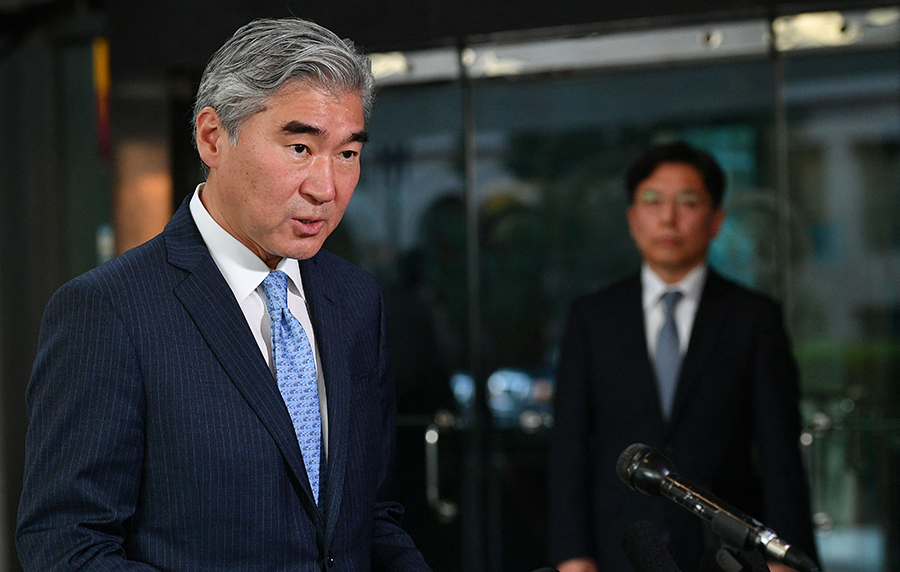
{"x": 159, "y": 440}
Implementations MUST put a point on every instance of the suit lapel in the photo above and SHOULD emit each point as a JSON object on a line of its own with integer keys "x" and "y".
{"x": 710, "y": 315}
{"x": 325, "y": 317}
{"x": 210, "y": 302}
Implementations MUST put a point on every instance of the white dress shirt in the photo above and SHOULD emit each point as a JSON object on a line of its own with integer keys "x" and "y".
{"x": 245, "y": 271}
{"x": 653, "y": 288}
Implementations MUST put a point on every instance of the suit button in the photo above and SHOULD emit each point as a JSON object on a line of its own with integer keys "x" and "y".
{"x": 329, "y": 561}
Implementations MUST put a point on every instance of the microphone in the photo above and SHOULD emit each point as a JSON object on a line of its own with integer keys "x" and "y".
{"x": 645, "y": 549}
{"x": 648, "y": 471}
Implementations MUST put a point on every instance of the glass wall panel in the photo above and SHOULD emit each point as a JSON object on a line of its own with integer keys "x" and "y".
{"x": 844, "y": 149}
{"x": 551, "y": 156}
{"x": 547, "y": 210}
{"x": 406, "y": 224}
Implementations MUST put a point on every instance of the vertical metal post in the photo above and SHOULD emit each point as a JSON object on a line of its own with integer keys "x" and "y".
{"x": 782, "y": 175}
{"x": 473, "y": 517}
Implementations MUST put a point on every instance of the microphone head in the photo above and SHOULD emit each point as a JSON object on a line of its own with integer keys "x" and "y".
{"x": 645, "y": 550}
{"x": 643, "y": 468}
{"x": 629, "y": 457}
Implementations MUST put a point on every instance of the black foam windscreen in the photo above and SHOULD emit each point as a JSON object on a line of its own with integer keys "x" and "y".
{"x": 645, "y": 549}
{"x": 749, "y": 560}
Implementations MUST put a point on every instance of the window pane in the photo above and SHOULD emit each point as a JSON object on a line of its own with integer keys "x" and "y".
{"x": 406, "y": 225}
{"x": 551, "y": 156}
{"x": 844, "y": 128}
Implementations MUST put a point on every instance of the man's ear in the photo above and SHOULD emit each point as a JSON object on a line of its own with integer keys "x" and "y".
{"x": 211, "y": 136}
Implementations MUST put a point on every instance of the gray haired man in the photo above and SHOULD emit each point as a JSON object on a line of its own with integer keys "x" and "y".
{"x": 220, "y": 397}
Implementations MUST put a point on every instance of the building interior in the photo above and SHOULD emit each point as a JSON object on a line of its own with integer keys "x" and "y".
{"x": 490, "y": 198}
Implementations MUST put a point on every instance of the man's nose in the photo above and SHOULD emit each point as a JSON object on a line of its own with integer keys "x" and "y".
{"x": 319, "y": 183}
{"x": 668, "y": 211}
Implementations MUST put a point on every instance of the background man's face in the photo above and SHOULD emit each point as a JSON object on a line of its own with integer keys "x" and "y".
{"x": 286, "y": 184}
{"x": 672, "y": 220}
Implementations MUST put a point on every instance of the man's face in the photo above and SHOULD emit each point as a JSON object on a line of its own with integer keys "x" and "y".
{"x": 286, "y": 184}
{"x": 672, "y": 220}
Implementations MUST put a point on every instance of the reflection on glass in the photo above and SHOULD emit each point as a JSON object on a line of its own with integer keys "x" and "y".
{"x": 844, "y": 163}
{"x": 550, "y": 153}
{"x": 406, "y": 225}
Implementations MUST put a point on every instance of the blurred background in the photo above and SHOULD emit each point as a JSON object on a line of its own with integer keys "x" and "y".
{"x": 491, "y": 195}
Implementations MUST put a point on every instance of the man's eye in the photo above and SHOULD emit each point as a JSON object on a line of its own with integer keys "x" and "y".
{"x": 348, "y": 154}
{"x": 688, "y": 199}
{"x": 299, "y": 148}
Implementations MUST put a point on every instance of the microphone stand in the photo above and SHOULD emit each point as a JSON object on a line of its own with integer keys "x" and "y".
{"x": 731, "y": 560}
{"x": 735, "y": 537}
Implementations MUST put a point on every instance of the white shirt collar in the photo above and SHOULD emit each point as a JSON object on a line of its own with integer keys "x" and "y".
{"x": 691, "y": 286}
{"x": 243, "y": 270}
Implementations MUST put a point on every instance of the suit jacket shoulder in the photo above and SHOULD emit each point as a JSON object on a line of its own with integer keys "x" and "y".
{"x": 719, "y": 287}
{"x": 341, "y": 279}
{"x": 619, "y": 300}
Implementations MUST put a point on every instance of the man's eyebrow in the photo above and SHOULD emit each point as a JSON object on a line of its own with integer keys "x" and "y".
{"x": 300, "y": 128}
{"x": 359, "y": 137}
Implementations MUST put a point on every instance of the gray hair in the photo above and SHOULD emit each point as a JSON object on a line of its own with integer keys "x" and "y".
{"x": 264, "y": 55}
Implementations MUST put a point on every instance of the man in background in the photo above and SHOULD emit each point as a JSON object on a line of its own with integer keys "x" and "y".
{"x": 220, "y": 397}
{"x": 685, "y": 361}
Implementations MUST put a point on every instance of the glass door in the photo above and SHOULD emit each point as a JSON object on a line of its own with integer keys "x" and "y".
{"x": 407, "y": 225}
{"x": 551, "y": 159}
{"x": 491, "y": 196}
{"x": 843, "y": 129}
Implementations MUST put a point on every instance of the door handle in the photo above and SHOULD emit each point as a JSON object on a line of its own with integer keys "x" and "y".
{"x": 446, "y": 510}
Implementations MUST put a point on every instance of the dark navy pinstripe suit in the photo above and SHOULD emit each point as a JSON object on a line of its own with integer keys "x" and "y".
{"x": 159, "y": 440}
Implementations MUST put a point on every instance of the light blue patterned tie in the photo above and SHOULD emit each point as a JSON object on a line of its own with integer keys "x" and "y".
{"x": 668, "y": 355}
{"x": 295, "y": 371}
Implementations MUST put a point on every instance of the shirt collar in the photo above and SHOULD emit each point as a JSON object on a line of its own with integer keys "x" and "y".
{"x": 691, "y": 286}
{"x": 242, "y": 269}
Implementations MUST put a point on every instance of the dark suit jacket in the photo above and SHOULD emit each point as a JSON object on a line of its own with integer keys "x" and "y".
{"x": 734, "y": 429}
{"x": 159, "y": 440}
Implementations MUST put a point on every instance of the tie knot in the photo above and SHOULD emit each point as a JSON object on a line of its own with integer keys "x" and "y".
{"x": 670, "y": 299}
{"x": 275, "y": 286}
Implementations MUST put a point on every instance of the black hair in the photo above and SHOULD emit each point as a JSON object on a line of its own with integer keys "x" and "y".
{"x": 677, "y": 152}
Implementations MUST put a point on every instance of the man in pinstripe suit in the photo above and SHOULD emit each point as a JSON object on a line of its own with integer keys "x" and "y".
{"x": 159, "y": 439}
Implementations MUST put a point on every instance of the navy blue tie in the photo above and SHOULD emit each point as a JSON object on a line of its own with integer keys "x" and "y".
{"x": 668, "y": 355}
{"x": 295, "y": 372}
